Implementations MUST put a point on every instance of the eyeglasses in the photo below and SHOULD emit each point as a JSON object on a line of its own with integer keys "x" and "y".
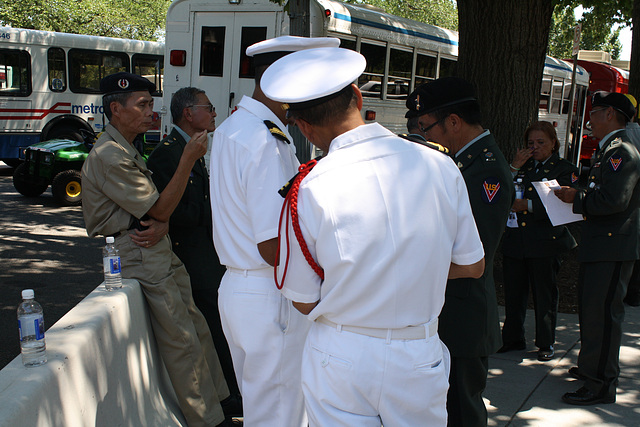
{"x": 209, "y": 107}
{"x": 599, "y": 109}
{"x": 432, "y": 125}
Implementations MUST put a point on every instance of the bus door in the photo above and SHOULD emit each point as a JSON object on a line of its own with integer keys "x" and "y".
{"x": 222, "y": 68}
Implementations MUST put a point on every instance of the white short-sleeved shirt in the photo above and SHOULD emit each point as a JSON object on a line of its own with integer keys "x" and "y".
{"x": 248, "y": 167}
{"x": 384, "y": 217}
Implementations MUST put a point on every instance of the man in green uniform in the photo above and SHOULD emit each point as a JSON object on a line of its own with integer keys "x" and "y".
{"x": 190, "y": 227}
{"x": 608, "y": 249}
{"x": 121, "y": 200}
{"x": 469, "y": 323}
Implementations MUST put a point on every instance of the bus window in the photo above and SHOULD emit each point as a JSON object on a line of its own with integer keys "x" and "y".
{"x": 545, "y": 94}
{"x": 447, "y": 67}
{"x": 15, "y": 65}
{"x": 212, "y": 51}
{"x": 400, "y": 62}
{"x": 57, "y": 69}
{"x": 150, "y": 67}
{"x": 370, "y": 82}
{"x": 425, "y": 69}
{"x": 567, "y": 95}
{"x": 556, "y": 96}
{"x": 348, "y": 44}
{"x": 88, "y": 67}
{"x": 250, "y": 35}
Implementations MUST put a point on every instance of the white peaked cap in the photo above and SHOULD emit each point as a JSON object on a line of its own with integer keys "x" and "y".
{"x": 311, "y": 74}
{"x": 291, "y": 44}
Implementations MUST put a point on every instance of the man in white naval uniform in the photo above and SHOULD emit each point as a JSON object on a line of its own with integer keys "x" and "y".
{"x": 381, "y": 224}
{"x": 251, "y": 159}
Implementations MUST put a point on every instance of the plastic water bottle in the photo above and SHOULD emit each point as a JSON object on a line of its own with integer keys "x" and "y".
{"x": 519, "y": 189}
{"x": 111, "y": 264}
{"x": 31, "y": 327}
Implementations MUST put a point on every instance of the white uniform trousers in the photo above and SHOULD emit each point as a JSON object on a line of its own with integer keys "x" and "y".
{"x": 350, "y": 380}
{"x": 266, "y": 336}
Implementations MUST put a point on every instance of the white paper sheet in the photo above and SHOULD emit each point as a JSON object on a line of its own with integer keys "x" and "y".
{"x": 558, "y": 211}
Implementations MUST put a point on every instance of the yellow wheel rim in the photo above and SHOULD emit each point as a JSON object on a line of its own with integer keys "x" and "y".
{"x": 73, "y": 189}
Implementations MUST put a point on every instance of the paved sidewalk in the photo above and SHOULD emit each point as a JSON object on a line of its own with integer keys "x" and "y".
{"x": 524, "y": 392}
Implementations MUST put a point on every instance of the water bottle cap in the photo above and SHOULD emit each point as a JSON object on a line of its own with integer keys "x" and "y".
{"x": 27, "y": 294}
{"x": 110, "y": 239}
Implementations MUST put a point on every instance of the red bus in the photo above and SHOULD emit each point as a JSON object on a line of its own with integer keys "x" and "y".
{"x": 601, "y": 77}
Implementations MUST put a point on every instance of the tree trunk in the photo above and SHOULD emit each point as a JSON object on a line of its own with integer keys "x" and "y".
{"x": 299, "y": 18}
{"x": 634, "y": 75}
{"x": 502, "y": 51}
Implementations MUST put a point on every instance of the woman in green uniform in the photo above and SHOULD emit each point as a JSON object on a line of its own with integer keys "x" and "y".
{"x": 532, "y": 246}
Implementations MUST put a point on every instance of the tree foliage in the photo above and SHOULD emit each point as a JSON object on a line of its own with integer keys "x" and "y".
{"x": 442, "y": 13}
{"x": 142, "y": 20}
{"x": 597, "y": 29}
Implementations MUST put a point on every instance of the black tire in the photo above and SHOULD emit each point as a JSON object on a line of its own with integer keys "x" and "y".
{"x": 24, "y": 183}
{"x": 67, "y": 188}
{"x": 64, "y": 132}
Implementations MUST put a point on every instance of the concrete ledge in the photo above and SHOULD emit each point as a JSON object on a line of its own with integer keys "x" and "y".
{"x": 103, "y": 369}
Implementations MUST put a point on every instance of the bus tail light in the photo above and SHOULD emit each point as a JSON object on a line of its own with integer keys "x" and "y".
{"x": 327, "y": 13}
{"x": 178, "y": 58}
{"x": 369, "y": 115}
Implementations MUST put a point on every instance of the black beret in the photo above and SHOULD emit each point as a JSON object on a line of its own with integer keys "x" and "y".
{"x": 618, "y": 101}
{"x": 440, "y": 93}
{"x": 125, "y": 82}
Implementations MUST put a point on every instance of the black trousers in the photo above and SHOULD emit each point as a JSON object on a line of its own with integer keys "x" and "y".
{"x": 633, "y": 291}
{"x": 539, "y": 274}
{"x": 601, "y": 288}
{"x": 467, "y": 381}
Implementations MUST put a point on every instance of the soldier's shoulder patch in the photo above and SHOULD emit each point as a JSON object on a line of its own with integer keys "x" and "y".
{"x": 275, "y": 131}
{"x": 615, "y": 161}
{"x": 491, "y": 190}
{"x": 574, "y": 177}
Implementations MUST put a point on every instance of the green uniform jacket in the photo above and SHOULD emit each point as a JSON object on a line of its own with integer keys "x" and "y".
{"x": 535, "y": 237}
{"x": 469, "y": 323}
{"x": 190, "y": 226}
{"x": 610, "y": 203}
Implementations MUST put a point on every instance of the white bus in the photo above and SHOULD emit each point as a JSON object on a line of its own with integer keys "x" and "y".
{"x": 206, "y": 43}
{"x": 555, "y": 102}
{"x": 49, "y": 83}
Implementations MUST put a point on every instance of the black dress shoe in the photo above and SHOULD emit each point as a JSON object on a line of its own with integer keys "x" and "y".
{"x": 575, "y": 373}
{"x": 546, "y": 353}
{"x": 512, "y": 346}
{"x": 584, "y": 397}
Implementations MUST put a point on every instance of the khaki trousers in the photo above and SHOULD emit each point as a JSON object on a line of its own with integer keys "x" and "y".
{"x": 181, "y": 331}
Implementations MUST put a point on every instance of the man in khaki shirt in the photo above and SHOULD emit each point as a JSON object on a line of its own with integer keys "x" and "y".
{"x": 120, "y": 200}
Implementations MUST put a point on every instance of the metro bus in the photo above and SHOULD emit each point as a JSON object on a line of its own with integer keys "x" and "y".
{"x": 601, "y": 77}
{"x": 49, "y": 84}
{"x": 206, "y": 42}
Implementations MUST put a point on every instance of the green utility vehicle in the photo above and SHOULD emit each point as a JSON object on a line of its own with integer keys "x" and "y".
{"x": 58, "y": 162}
